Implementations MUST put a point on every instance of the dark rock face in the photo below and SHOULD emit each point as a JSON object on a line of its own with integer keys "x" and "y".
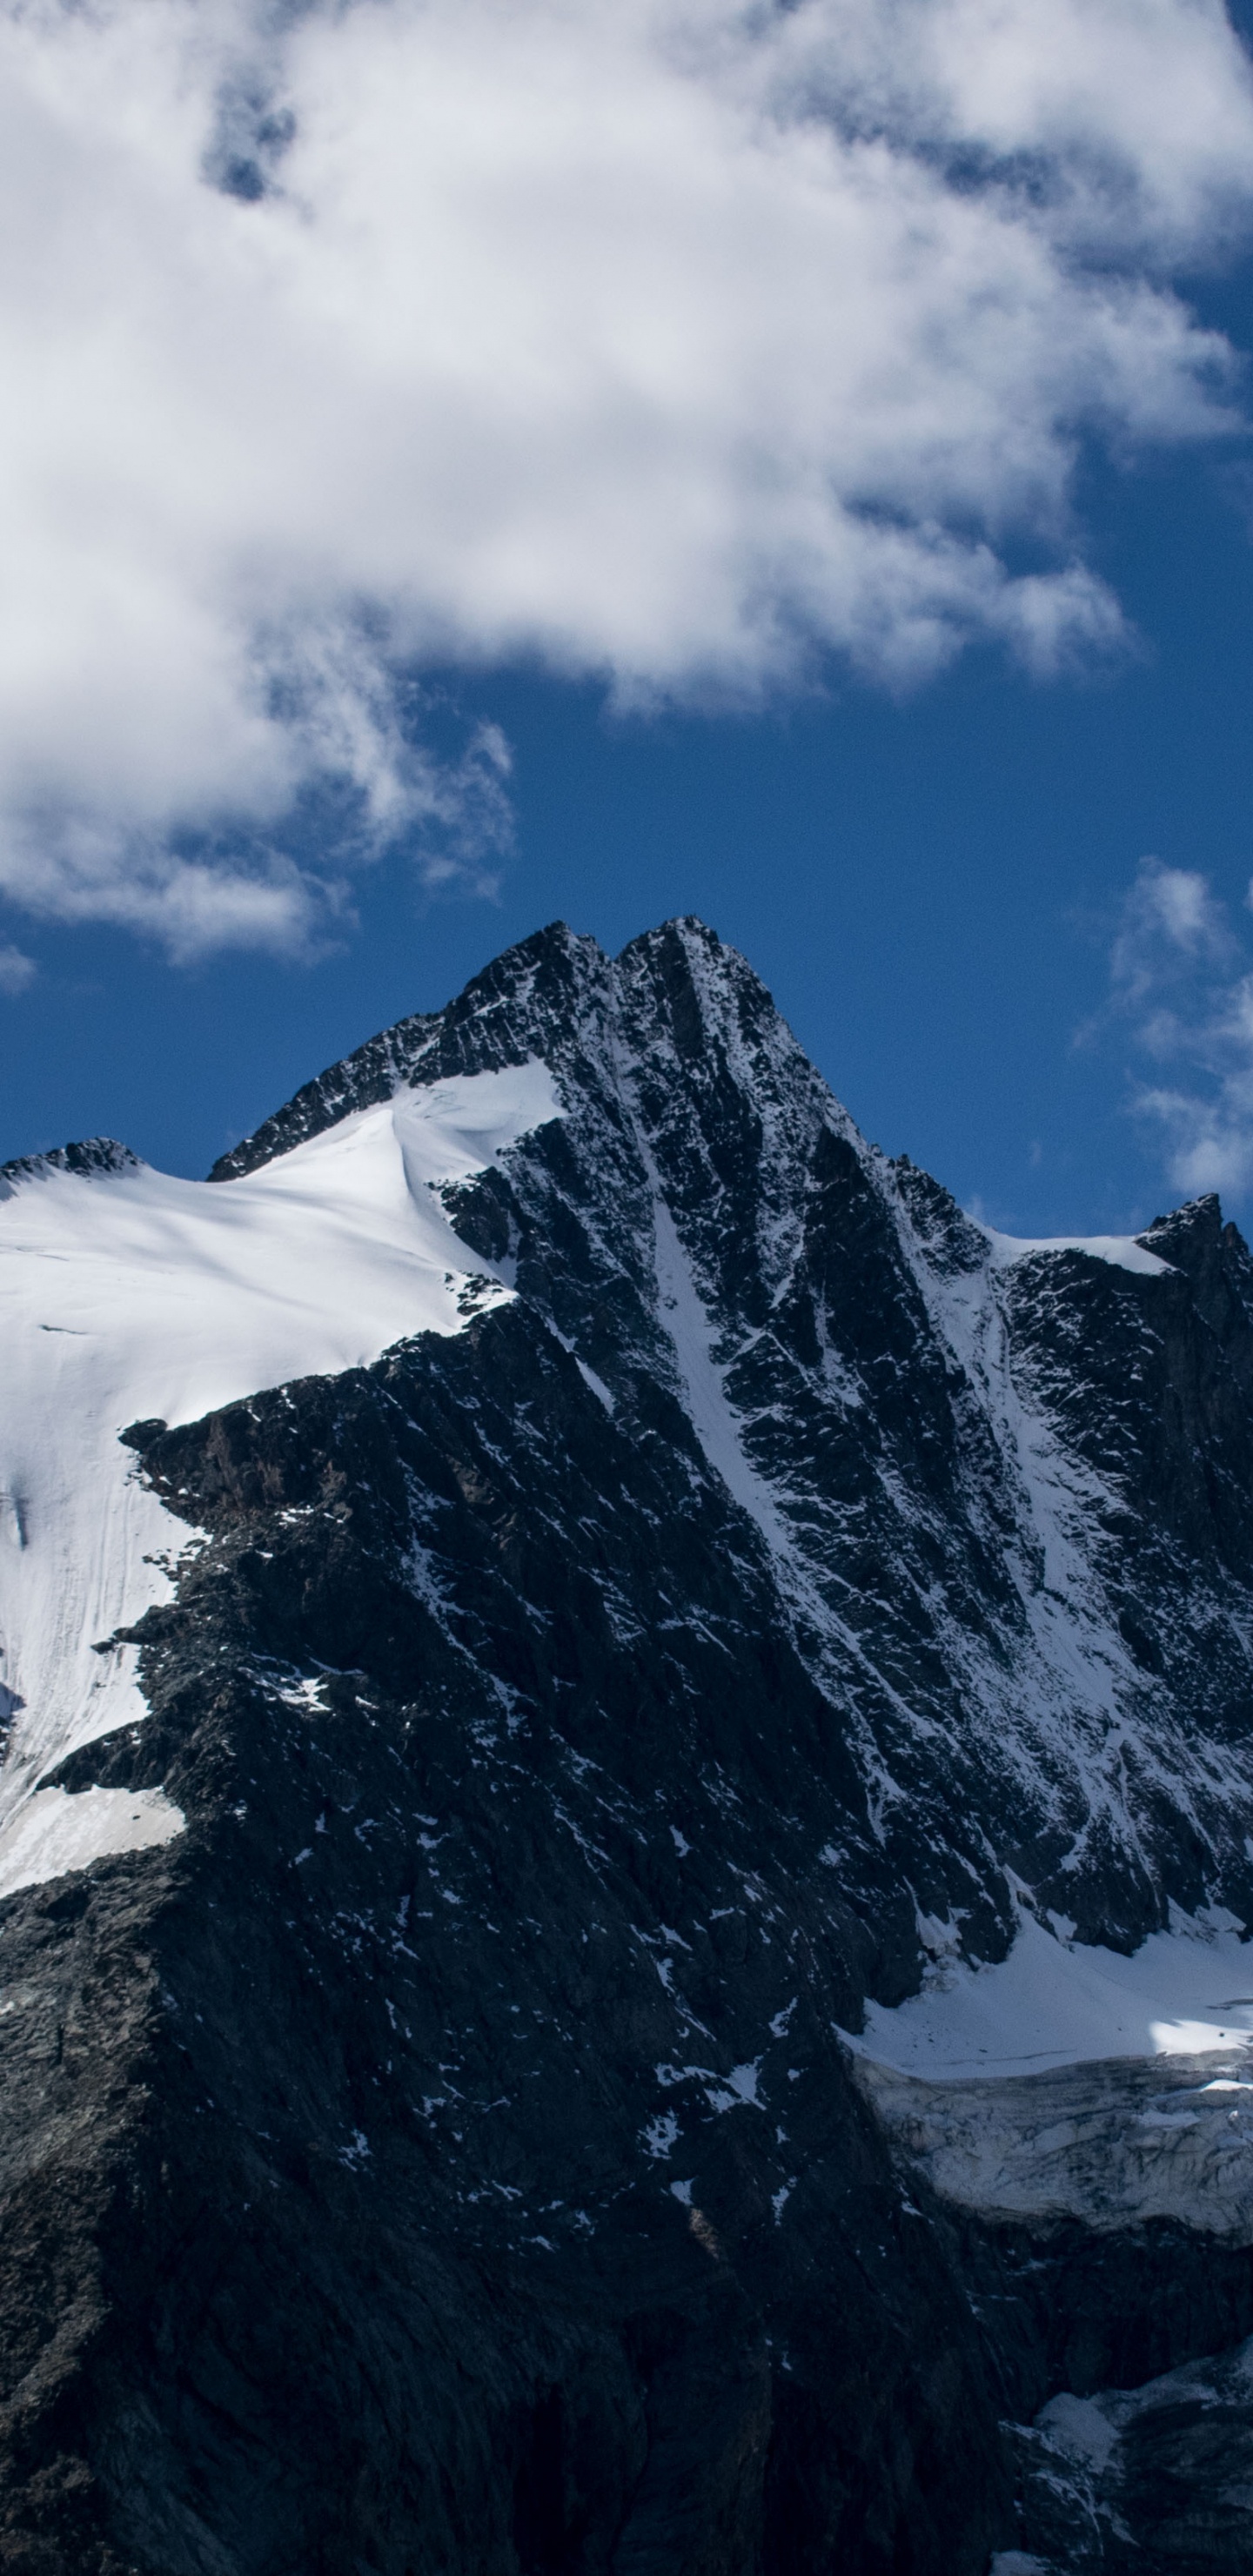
{"x": 1153, "y": 2479}
{"x": 437, "y": 1987}
{"x": 96, "y": 1154}
{"x": 444, "y": 2156}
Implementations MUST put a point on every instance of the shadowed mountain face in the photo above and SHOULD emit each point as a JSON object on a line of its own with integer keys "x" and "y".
{"x": 446, "y": 2154}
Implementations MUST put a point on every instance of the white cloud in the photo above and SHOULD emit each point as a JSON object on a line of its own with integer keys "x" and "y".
{"x": 1183, "y": 982}
{"x": 16, "y": 970}
{"x": 671, "y": 348}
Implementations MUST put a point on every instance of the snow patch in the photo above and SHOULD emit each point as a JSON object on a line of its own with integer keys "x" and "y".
{"x": 740, "y": 2086}
{"x": 1081, "y": 2427}
{"x": 56, "y": 1831}
{"x": 716, "y": 1425}
{"x": 127, "y": 1295}
{"x": 597, "y": 1385}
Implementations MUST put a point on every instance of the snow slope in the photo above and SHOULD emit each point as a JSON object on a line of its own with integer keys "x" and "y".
{"x": 126, "y": 1294}
{"x": 1055, "y": 2002}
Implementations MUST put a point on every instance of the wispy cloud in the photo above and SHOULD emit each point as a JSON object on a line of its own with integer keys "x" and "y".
{"x": 671, "y": 347}
{"x": 16, "y": 970}
{"x": 1182, "y": 983}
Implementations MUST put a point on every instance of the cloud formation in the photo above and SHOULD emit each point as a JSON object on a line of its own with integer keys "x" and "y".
{"x": 672, "y": 347}
{"x": 1182, "y": 978}
{"x": 16, "y": 970}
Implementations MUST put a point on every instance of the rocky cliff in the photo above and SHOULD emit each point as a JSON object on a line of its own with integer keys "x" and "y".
{"x": 481, "y": 2024}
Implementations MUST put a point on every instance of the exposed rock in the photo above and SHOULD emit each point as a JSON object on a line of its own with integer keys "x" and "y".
{"x": 445, "y": 2154}
{"x": 96, "y": 1154}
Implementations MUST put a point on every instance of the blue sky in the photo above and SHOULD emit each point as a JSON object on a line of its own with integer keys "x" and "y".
{"x": 902, "y": 704}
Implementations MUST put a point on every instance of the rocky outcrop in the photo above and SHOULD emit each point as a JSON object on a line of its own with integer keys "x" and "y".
{"x": 95, "y": 1155}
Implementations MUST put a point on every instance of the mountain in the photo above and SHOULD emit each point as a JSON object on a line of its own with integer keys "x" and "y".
{"x": 626, "y": 1839}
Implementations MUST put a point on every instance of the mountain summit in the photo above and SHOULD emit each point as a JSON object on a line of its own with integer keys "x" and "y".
{"x": 626, "y": 1840}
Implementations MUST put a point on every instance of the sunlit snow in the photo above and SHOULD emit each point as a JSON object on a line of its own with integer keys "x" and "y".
{"x": 1060, "y": 2003}
{"x": 130, "y": 1294}
{"x": 1120, "y": 1249}
{"x": 53, "y": 1832}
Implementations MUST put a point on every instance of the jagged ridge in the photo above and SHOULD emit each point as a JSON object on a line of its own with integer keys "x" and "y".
{"x": 780, "y": 1589}
{"x": 971, "y": 1480}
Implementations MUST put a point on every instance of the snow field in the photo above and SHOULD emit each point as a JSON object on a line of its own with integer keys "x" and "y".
{"x": 131, "y": 1294}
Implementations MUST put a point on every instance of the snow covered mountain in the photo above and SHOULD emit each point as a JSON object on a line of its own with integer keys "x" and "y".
{"x": 626, "y": 1839}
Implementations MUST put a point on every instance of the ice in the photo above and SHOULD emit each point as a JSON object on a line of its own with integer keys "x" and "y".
{"x": 1072, "y": 2082}
{"x": 1059, "y": 2003}
{"x": 129, "y": 1294}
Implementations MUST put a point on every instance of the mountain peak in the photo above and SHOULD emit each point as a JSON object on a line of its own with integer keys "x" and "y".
{"x": 532, "y": 998}
{"x": 648, "y": 1732}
